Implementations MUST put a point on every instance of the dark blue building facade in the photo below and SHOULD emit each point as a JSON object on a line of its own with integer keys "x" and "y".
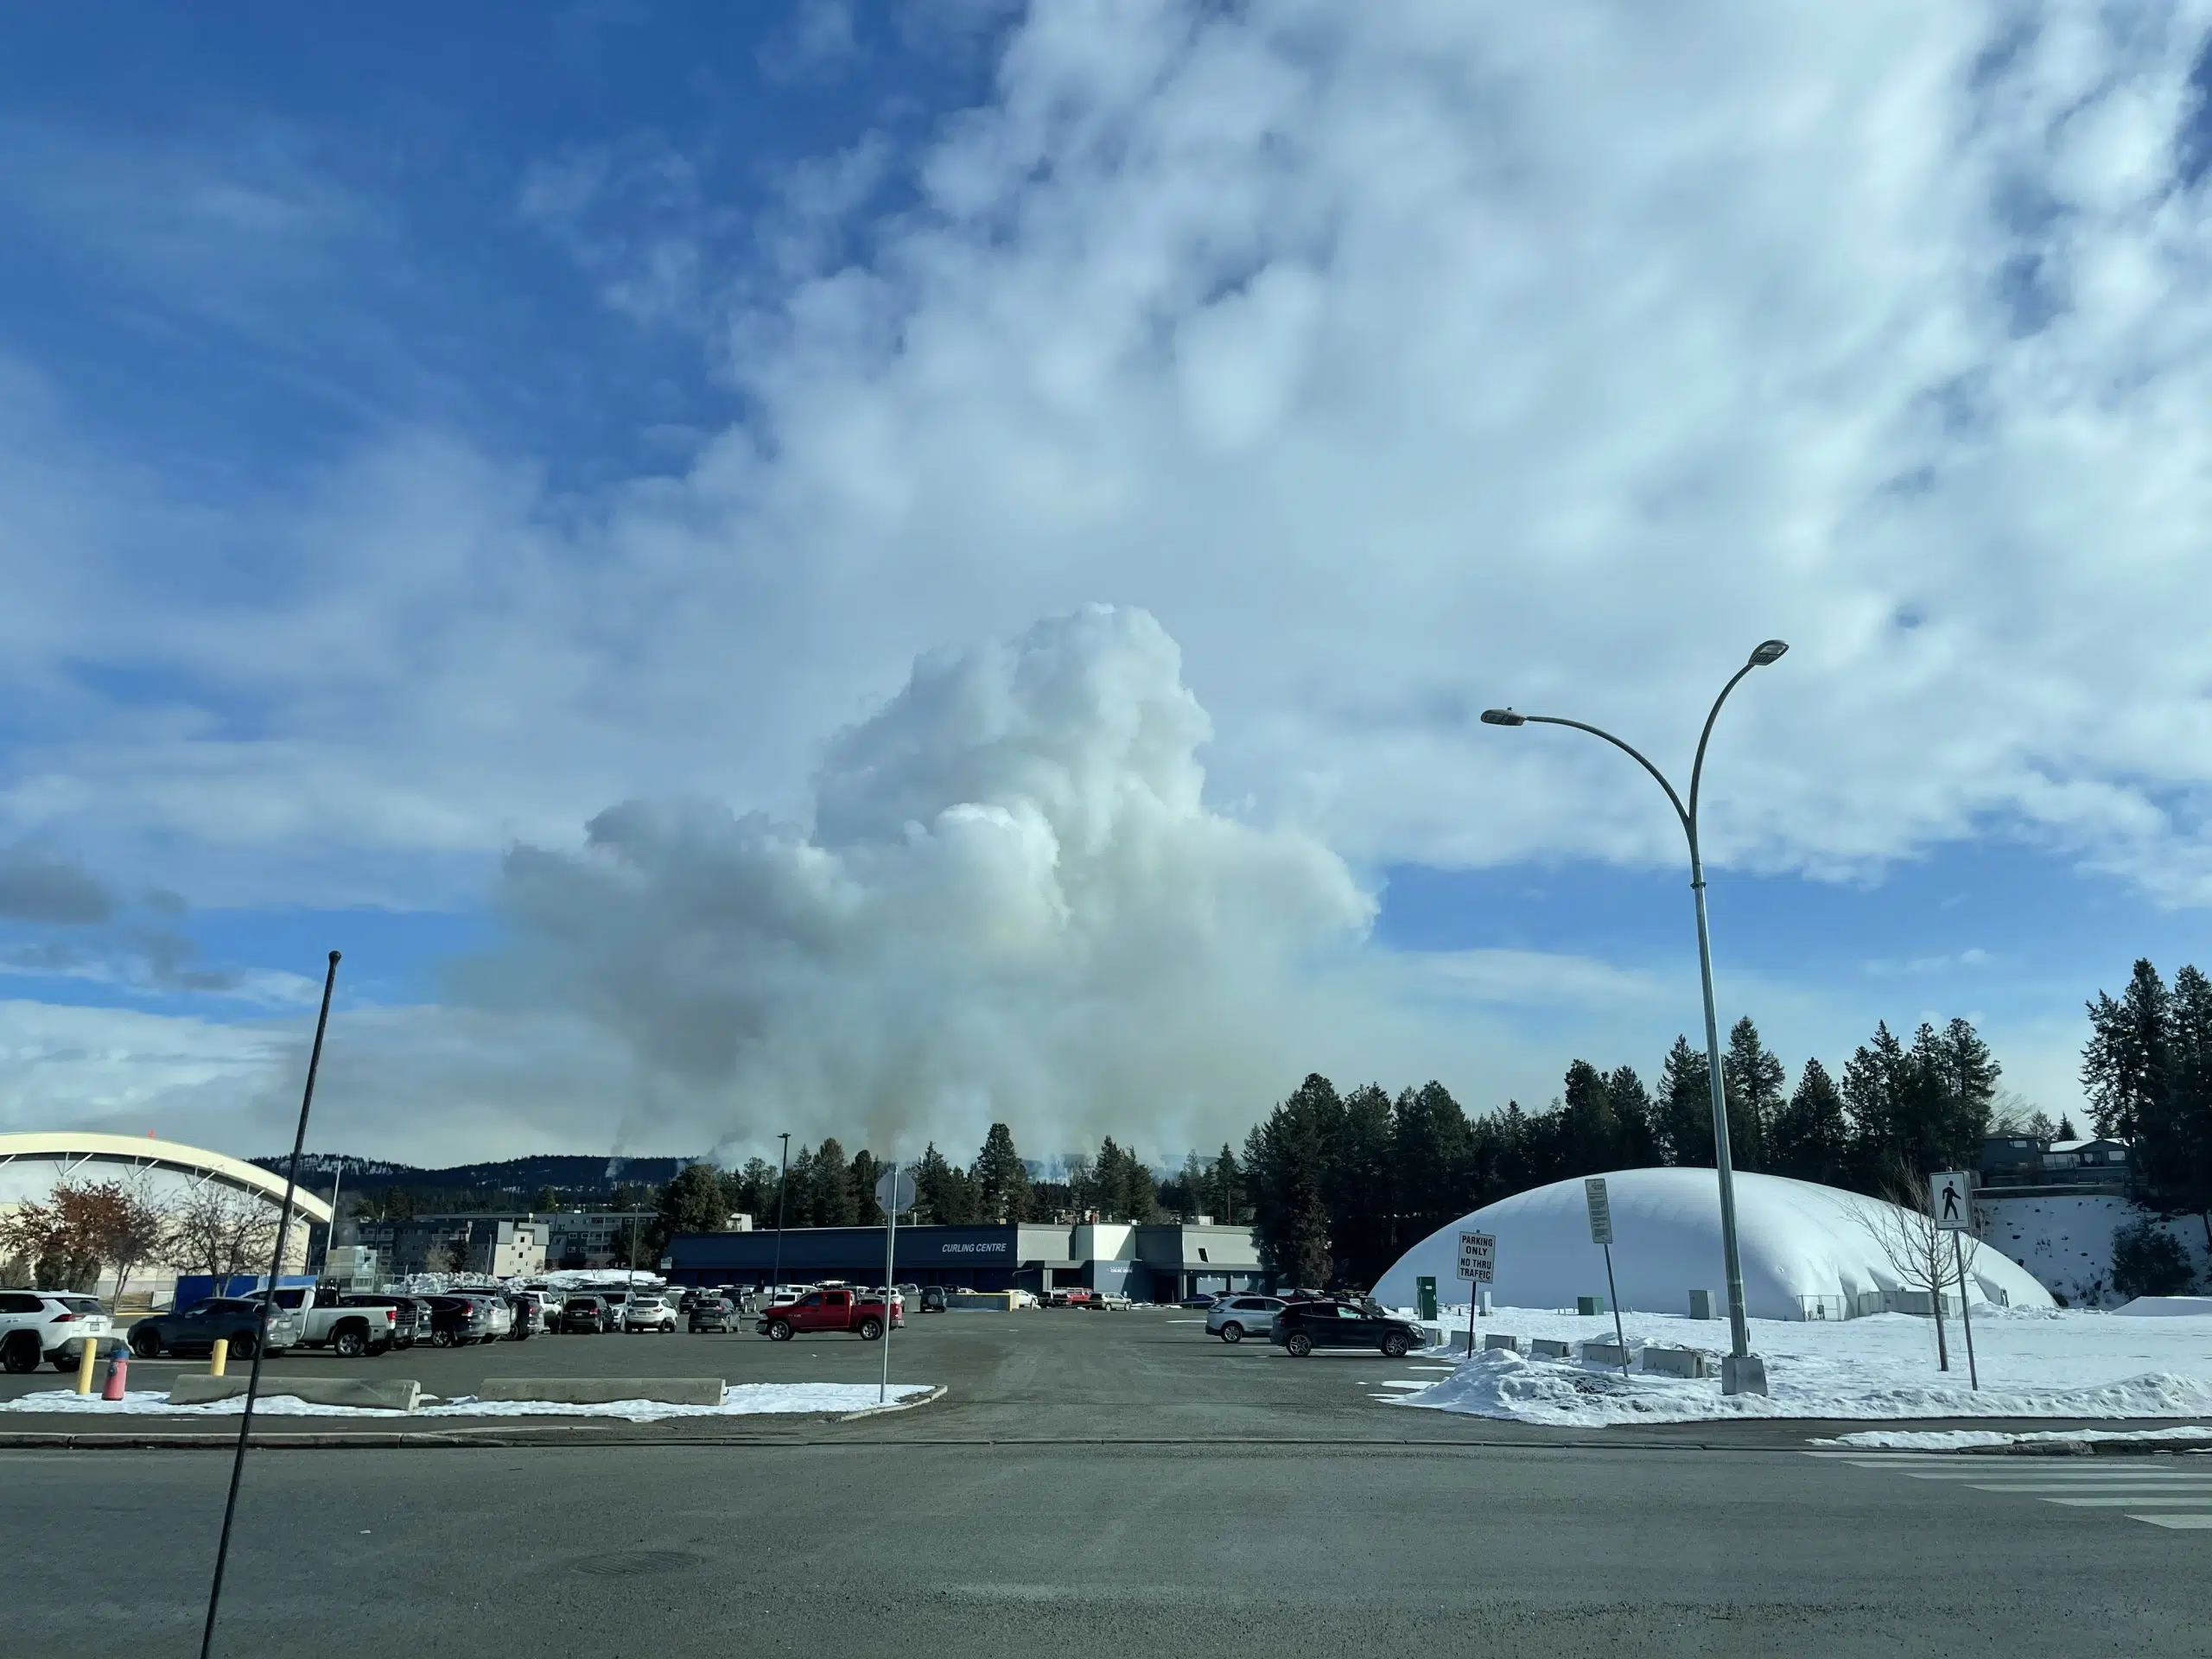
{"x": 978, "y": 1258}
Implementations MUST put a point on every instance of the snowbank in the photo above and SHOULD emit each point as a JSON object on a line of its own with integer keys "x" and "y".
{"x": 2168, "y": 1306}
{"x": 2034, "y": 1362}
{"x": 740, "y": 1400}
{"x": 1956, "y": 1440}
{"x": 1801, "y": 1244}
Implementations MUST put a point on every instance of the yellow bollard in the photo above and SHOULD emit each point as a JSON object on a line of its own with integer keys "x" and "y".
{"x": 219, "y": 1357}
{"x": 85, "y": 1355}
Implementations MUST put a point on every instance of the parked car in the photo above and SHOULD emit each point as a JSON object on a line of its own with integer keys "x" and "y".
{"x": 457, "y": 1321}
{"x": 584, "y": 1314}
{"x": 647, "y": 1312}
{"x": 1303, "y": 1326}
{"x": 197, "y": 1330}
{"x": 933, "y": 1298}
{"x": 328, "y": 1319}
{"x": 829, "y": 1310}
{"x": 1070, "y": 1296}
{"x": 712, "y": 1313}
{"x": 410, "y": 1315}
{"x": 1234, "y": 1317}
{"x": 53, "y": 1325}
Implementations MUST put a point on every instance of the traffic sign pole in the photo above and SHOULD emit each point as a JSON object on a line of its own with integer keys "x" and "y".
{"x": 1965, "y": 1318}
{"x": 1614, "y": 1297}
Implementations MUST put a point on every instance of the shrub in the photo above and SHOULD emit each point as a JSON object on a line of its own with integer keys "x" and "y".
{"x": 2148, "y": 1261}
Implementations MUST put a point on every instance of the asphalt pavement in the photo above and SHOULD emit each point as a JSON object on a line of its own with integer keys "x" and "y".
{"x": 1103, "y": 1485}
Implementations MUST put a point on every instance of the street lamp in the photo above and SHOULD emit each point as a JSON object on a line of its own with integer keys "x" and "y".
{"x": 783, "y": 1181}
{"x": 1742, "y": 1371}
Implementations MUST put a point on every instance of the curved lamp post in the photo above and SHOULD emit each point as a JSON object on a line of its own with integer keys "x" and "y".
{"x": 1742, "y": 1371}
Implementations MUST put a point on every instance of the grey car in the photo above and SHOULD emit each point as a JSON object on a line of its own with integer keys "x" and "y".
{"x": 1234, "y": 1317}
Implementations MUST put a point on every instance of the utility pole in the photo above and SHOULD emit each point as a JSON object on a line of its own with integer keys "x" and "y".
{"x": 783, "y": 1181}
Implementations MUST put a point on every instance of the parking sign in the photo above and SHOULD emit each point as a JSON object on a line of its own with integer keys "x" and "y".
{"x": 1477, "y": 1257}
{"x": 1601, "y": 1210}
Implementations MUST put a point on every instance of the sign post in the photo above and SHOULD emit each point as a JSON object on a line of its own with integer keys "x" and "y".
{"x": 1477, "y": 1265}
{"x": 1950, "y": 1200}
{"x": 895, "y": 1191}
{"x": 1601, "y": 1232}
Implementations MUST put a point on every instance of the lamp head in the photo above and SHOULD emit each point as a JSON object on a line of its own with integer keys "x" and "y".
{"x": 1768, "y": 652}
{"x": 1502, "y": 717}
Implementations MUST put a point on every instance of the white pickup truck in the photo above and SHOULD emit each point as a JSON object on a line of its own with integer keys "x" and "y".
{"x": 328, "y": 1319}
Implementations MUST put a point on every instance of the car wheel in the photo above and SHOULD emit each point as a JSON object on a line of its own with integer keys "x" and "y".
{"x": 147, "y": 1345}
{"x": 1232, "y": 1331}
{"x": 871, "y": 1330}
{"x": 20, "y": 1354}
{"x": 62, "y": 1363}
{"x": 351, "y": 1342}
{"x": 779, "y": 1330}
{"x": 440, "y": 1338}
{"x": 1395, "y": 1345}
{"x": 241, "y": 1345}
{"x": 1298, "y": 1344}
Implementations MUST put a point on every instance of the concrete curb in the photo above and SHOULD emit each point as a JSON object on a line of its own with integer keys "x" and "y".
{"x": 937, "y": 1393}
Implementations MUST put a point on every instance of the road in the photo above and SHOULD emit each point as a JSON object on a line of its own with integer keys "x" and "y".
{"x": 1290, "y": 1524}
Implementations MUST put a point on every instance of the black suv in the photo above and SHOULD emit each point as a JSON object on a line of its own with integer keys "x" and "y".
{"x": 1303, "y": 1326}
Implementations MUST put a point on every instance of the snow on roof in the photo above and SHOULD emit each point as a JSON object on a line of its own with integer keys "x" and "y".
{"x": 2094, "y": 1141}
{"x": 1797, "y": 1240}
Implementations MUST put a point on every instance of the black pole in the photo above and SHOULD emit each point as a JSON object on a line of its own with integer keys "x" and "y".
{"x": 268, "y": 1309}
{"x": 783, "y": 1181}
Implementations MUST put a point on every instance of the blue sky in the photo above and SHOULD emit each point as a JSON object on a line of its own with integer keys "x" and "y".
{"x": 426, "y": 434}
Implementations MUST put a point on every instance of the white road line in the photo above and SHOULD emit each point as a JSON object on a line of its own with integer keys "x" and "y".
{"x": 2075, "y": 1478}
{"x": 2135, "y": 1501}
{"x": 2179, "y": 1522}
{"x": 2100, "y": 1486}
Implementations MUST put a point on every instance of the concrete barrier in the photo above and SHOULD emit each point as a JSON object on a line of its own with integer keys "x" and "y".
{"x": 979, "y": 1301}
{"x": 1545, "y": 1348}
{"x": 1608, "y": 1354}
{"x": 604, "y": 1390}
{"x": 377, "y": 1393}
{"x": 1678, "y": 1362}
{"x": 1499, "y": 1340}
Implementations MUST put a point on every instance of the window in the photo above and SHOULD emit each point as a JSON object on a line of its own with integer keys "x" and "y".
{"x": 813, "y": 1300}
{"x": 1343, "y": 1312}
{"x": 19, "y": 1304}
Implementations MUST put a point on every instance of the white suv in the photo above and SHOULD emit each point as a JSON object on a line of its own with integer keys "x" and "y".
{"x": 647, "y": 1312}
{"x": 48, "y": 1325}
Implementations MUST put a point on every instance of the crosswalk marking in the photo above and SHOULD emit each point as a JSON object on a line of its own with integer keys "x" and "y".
{"x": 2183, "y": 1493}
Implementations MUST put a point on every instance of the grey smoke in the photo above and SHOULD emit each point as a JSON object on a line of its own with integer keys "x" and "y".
{"x": 1011, "y": 903}
{"x": 37, "y": 886}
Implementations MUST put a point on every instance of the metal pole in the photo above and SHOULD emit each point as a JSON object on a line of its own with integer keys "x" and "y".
{"x": 1474, "y": 1296}
{"x": 268, "y": 1310}
{"x": 1614, "y": 1297}
{"x": 890, "y": 1237}
{"x": 1740, "y": 1330}
{"x": 1959, "y": 1259}
{"x": 783, "y": 1182}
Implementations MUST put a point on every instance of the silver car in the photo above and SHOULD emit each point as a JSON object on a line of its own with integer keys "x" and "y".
{"x": 1235, "y": 1317}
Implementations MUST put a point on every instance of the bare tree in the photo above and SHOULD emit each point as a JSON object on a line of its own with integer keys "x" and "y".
{"x": 223, "y": 1233}
{"x": 1924, "y": 1255}
{"x": 77, "y": 1230}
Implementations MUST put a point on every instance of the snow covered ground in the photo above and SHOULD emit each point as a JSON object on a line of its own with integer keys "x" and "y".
{"x": 741, "y": 1400}
{"x": 2034, "y": 1362}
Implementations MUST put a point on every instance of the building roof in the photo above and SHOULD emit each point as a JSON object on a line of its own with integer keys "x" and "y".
{"x": 73, "y": 1149}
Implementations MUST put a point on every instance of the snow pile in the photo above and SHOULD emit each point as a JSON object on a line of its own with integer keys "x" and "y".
{"x": 1799, "y": 1241}
{"x": 1502, "y": 1384}
{"x": 1955, "y": 1439}
{"x": 2034, "y": 1362}
{"x": 2168, "y": 1307}
{"x": 739, "y": 1400}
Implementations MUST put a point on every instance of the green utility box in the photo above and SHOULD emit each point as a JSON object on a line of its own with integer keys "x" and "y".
{"x": 1589, "y": 1304}
{"x": 1424, "y": 1298}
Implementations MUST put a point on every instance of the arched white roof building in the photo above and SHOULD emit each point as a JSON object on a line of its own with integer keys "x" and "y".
{"x": 32, "y": 1161}
{"x": 1806, "y": 1250}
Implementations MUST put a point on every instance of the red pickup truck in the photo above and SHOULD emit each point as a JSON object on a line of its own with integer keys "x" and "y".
{"x": 828, "y": 1310}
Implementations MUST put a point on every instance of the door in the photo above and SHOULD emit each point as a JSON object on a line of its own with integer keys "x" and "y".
{"x": 810, "y": 1311}
{"x": 1350, "y": 1329}
{"x": 190, "y": 1335}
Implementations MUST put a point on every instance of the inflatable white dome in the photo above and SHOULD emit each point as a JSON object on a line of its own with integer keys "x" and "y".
{"x": 1798, "y": 1240}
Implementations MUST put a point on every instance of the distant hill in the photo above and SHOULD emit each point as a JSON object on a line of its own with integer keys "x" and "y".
{"x": 565, "y": 1172}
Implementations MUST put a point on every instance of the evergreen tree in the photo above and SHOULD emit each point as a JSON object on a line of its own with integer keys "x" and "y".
{"x": 2126, "y": 1065}
{"x": 1588, "y": 1133}
{"x": 692, "y": 1203}
{"x": 867, "y": 1212}
{"x": 1360, "y": 1188}
{"x": 833, "y": 1202}
{"x": 1632, "y": 1114}
{"x": 1752, "y": 1079}
{"x": 1810, "y": 1137}
{"x": 943, "y": 1192}
{"x": 1002, "y": 1178}
{"x": 1286, "y": 1168}
{"x": 1432, "y": 1153}
{"x": 1224, "y": 1198}
{"x": 2066, "y": 1129}
{"x": 1875, "y": 1082}
{"x": 1684, "y": 1115}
